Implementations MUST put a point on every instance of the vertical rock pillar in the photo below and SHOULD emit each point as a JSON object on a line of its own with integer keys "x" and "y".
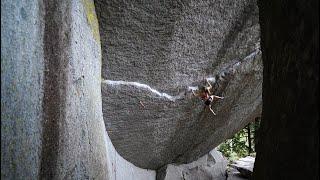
{"x": 51, "y": 116}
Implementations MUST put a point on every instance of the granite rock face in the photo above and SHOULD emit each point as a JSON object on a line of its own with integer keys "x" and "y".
{"x": 154, "y": 53}
{"x": 21, "y": 88}
{"x": 121, "y": 169}
{"x": 210, "y": 166}
{"x": 51, "y": 117}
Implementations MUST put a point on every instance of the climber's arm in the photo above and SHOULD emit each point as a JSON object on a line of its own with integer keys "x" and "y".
{"x": 209, "y": 91}
{"x": 195, "y": 94}
{"x": 217, "y": 97}
{"x": 210, "y": 87}
{"x": 209, "y": 84}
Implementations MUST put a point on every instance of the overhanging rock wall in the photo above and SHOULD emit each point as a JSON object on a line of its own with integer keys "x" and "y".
{"x": 153, "y": 53}
{"x": 51, "y": 116}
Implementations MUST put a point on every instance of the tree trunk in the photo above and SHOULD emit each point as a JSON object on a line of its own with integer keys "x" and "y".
{"x": 249, "y": 138}
{"x": 255, "y": 132}
{"x": 288, "y": 147}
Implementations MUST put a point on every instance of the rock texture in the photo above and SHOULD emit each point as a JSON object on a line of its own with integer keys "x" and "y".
{"x": 233, "y": 174}
{"x": 21, "y": 88}
{"x": 210, "y": 166}
{"x": 153, "y": 53}
{"x": 289, "y": 138}
{"x": 121, "y": 169}
{"x": 244, "y": 166}
{"x": 51, "y": 116}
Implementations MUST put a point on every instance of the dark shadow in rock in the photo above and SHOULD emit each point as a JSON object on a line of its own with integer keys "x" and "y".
{"x": 237, "y": 26}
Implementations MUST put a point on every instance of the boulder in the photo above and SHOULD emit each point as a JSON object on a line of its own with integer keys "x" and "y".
{"x": 234, "y": 174}
{"x": 154, "y": 53}
{"x": 210, "y": 166}
{"x": 244, "y": 166}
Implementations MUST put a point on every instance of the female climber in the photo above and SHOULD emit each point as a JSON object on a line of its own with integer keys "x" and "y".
{"x": 205, "y": 94}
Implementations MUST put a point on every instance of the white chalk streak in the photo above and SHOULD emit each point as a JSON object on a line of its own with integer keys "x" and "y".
{"x": 141, "y": 86}
{"x": 194, "y": 88}
{"x": 252, "y": 55}
{"x": 211, "y": 79}
{"x": 247, "y": 58}
{"x": 165, "y": 95}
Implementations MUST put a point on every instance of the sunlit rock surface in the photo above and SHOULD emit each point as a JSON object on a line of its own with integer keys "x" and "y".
{"x": 210, "y": 166}
{"x": 244, "y": 166}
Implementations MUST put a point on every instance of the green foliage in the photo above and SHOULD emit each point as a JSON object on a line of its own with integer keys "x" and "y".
{"x": 235, "y": 147}
{"x": 238, "y": 146}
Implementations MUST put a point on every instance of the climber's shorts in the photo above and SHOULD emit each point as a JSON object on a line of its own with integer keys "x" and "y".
{"x": 208, "y": 101}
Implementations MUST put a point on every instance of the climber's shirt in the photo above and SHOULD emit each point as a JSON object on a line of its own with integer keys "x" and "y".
{"x": 204, "y": 96}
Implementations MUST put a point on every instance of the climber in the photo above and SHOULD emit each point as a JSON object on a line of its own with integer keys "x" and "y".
{"x": 205, "y": 94}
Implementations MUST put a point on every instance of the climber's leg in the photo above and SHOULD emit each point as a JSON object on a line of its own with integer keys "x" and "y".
{"x": 211, "y": 110}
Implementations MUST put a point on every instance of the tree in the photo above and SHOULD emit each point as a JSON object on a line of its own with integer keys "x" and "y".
{"x": 249, "y": 138}
{"x": 242, "y": 143}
